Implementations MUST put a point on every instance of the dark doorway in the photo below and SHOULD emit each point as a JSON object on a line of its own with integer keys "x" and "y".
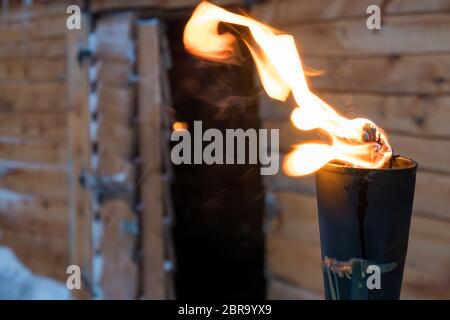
{"x": 219, "y": 208}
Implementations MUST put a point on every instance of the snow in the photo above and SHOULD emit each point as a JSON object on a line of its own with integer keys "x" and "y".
{"x": 19, "y": 283}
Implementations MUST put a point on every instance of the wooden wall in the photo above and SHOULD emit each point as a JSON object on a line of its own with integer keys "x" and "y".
{"x": 399, "y": 78}
{"x": 113, "y": 109}
{"x": 105, "y": 5}
{"x": 34, "y": 197}
{"x": 68, "y": 132}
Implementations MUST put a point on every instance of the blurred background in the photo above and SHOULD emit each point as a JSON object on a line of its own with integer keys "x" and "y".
{"x": 85, "y": 172}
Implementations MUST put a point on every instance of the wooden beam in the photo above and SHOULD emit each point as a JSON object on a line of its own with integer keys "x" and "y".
{"x": 47, "y": 207}
{"x": 36, "y": 70}
{"x": 428, "y": 260}
{"x": 115, "y": 137}
{"x": 116, "y": 141}
{"x": 111, "y": 163}
{"x": 284, "y": 12}
{"x": 39, "y": 48}
{"x": 415, "y": 75}
{"x": 281, "y": 290}
{"x": 296, "y": 262}
{"x": 37, "y": 9}
{"x": 114, "y": 73}
{"x": 409, "y": 34}
{"x": 120, "y": 272}
{"x": 34, "y": 29}
{"x": 423, "y": 116}
{"x": 44, "y": 255}
{"x": 431, "y": 154}
{"x": 36, "y": 182}
{"x": 36, "y": 127}
{"x": 80, "y": 225}
{"x": 417, "y": 115}
{"x": 297, "y": 218}
{"x": 432, "y": 195}
{"x": 40, "y": 152}
{"x": 114, "y": 38}
{"x": 30, "y": 97}
{"x": 115, "y": 102}
{"x": 151, "y": 188}
{"x": 102, "y": 5}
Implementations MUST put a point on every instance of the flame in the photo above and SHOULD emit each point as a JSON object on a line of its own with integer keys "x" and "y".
{"x": 180, "y": 126}
{"x": 281, "y": 72}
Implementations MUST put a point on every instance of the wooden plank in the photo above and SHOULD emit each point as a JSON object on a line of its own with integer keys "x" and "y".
{"x": 36, "y": 182}
{"x": 410, "y": 34}
{"x": 33, "y": 126}
{"x": 35, "y": 226}
{"x": 41, "y": 152}
{"x": 42, "y": 70}
{"x": 44, "y": 255}
{"x": 297, "y": 218}
{"x": 114, "y": 40}
{"x": 296, "y": 262}
{"x": 432, "y": 194}
{"x": 280, "y": 290}
{"x": 46, "y": 207}
{"x": 293, "y": 243}
{"x": 36, "y": 9}
{"x": 49, "y": 96}
{"x": 40, "y": 48}
{"x": 115, "y": 102}
{"x": 284, "y": 12}
{"x": 34, "y": 29}
{"x": 120, "y": 272}
{"x": 426, "y": 116}
{"x": 110, "y": 163}
{"x": 423, "y": 74}
{"x": 79, "y": 152}
{"x": 114, "y": 73}
{"x": 101, "y": 5}
{"x": 151, "y": 189}
{"x": 432, "y": 154}
{"x": 428, "y": 260}
{"x": 116, "y": 137}
{"x": 116, "y": 146}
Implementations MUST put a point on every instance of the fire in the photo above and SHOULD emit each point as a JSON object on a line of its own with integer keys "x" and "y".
{"x": 281, "y": 72}
{"x": 180, "y": 126}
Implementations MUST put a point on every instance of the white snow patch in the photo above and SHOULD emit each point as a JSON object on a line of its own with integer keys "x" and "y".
{"x": 19, "y": 283}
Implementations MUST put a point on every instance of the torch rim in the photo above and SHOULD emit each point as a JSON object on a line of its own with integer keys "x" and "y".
{"x": 342, "y": 168}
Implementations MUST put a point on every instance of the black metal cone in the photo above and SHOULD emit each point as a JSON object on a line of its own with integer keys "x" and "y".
{"x": 366, "y": 214}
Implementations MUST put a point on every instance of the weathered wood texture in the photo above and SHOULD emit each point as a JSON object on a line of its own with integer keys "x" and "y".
{"x": 155, "y": 170}
{"x": 79, "y": 154}
{"x": 284, "y": 12}
{"x": 151, "y": 184}
{"x": 102, "y": 5}
{"x": 34, "y": 192}
{"x": 398, "y": 78}
{"x": 115, "y": 138}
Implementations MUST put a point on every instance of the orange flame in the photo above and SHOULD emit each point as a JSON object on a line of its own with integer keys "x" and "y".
{"x": 179, "y": 126}
{"x": 281, "y": 72}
